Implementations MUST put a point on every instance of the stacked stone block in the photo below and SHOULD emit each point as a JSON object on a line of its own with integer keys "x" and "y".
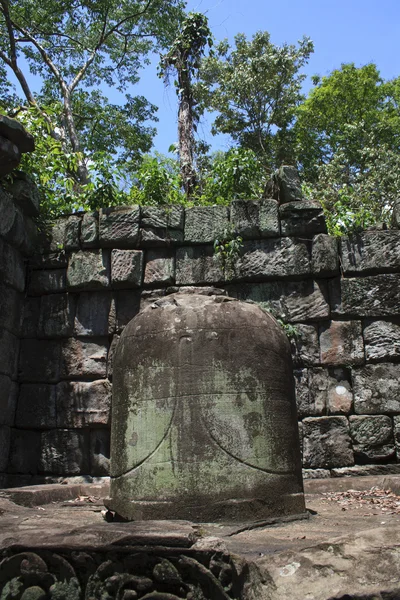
{"x": 98, "y": 269}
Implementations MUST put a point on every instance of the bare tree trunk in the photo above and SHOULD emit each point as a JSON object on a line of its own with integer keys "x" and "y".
{"x": 185, "y": 135}
{"x": 83, "y": 173}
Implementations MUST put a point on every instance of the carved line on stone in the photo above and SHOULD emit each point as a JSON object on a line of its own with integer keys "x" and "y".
{"x": 243, "y": 462}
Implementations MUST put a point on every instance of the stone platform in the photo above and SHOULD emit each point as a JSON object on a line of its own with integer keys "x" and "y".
{"x": 55, "y": 543}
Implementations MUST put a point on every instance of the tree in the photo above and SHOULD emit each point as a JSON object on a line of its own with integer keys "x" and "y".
{"x": 184, "y": 58}
{"x": 255, "y": 89}
{"x": 71, "y": 43}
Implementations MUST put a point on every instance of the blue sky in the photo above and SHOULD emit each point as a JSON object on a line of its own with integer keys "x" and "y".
{"x": 359, "y": 31}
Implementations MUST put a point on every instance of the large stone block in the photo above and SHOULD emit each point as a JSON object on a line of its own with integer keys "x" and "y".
{"x": 72, "y": 232}
{"x": 64, "y": 452}
{"x": 342, "y": 343}
{"x": 377, "y": 389}
{"x": 325, "y": 256}
{"x": 396, "y": 425}
{"x": 8, "y": 212}
{"x": 161, "y": 225}
{"x": 307, "y": 405}
{"x": 36, "y": 406}
{"x": 331, "y": 388}
{"x": 197, "y": 266}
{"x": 203, "y": 224}
{"x": 24, "y": 451}
{"x": 305, "y": 346}
{"x": 293, "y": 302}
{"x": 302, "y": 218}
{"x": 26, "y": 194}
{"x": 83, "y": 403}
{"x": 255, "y": 218}
{"x": 31, "y": 312}
{"x": 375, "y": 296}
{"x": 90, "y": 230}
{"x": 382, "y": 340}
{"x": 40, "y": 361}
{"x": 326, "y": 443}
{"x": 5, "y": 434}
{"x": 10, "y": 156}
{"x": 127, "y": 306}
{"x": 372, "y": 438}
{"x": 371, "y": 252}
{"x": 119, "y": 226}
{"x": 57, "y": 313}
{"x": 11, "y": 309}
{"x": 88, "y": 270}
{"x": 159, "y": 269}
{"x": 100, "y": 452}
{"x": 275, "y": 258}
{"x": 9, "y": 347}
{"x": 126, "y": 268}
{"x": 82, "y": 358}
{"x": 95, "y": 314}
{"x": 8, "y": 400}
{"x": 14, "y": 131}
{"x": 52, "y": 260}
{"x": 12, "y": 267}
{"x": 47, "y": 282}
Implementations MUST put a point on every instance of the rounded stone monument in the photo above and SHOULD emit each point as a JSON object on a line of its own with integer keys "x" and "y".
{"x": 204, "y": 422}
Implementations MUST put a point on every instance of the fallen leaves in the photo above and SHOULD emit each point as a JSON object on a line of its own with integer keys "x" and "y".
{"x": 379, "y": 500}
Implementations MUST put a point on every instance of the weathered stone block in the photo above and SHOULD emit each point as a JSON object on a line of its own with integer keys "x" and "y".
{"x": 203, "y": 224}
{"x": 10, "y": 156}
{"x": 64, "y": 452}
{"x": 325, "y": 256}
{"x": 12, "y": 130}
{"x": 82, "y": 403}
{"x": 100, "y": 452}
{"x": 326, "y": 443}
{"x": 289, "y": 184}
{"x": 331, "y": 388}
{"x": 302, "y": 218}
{"x": 31, "y": 312}
{"x": 84, "y": 358}
{"x": 55, "y": 241}
{"x": 8, "y": 400}
{"x": 126, "y": 268}
{"x": 375, "y": 296}
{"x": 5, "y": 434}
{"x": 313, "y": 403}
{"x": 377, "y": 389}
{"x": 342, "y": 343}
{"x": 275, "y": 258}
{"x": 382, "y": 340}
{"x": 9, "y": 347}
{"x": 305, "y": 346}
{"x": 7, "y": 211}
{"x": 95, "y": 314}
{"x": 371, "y": 252}
{"x": 36, "y": 406}
{"x": 31, "y": 233}
{"x": 161, "y": 225}
{"x": 25, "y": 194}
{"x": 11, "y": 311}
{"x": 372, "y": 438}
{"x": 255, "y": 218}
{"x": 12, "y": 268}
{"x": 127, "y": 306}
{"x": 305, "y": 300}
{"x": 90, "y": 230}
{"x": 363, "y": 470}
{"x": 150, "y": 237}
{"x": 40, "y": 361}
{"x": 52, "y": 260}
{"x": 72, "y": 232}
{"x": 24, "y": 451}
{"x": 396, "y": 425}
{"x": 47, "y": 282}
{"x": 304, "y": 407}
{"x": 119, "y": 226}
{"x": 88, "y": 270}
{"x": 57, "y": 312}
{"x": 197, "y": 266}
{"x": 110, "y": 357}
{"x": 159, "y": 269}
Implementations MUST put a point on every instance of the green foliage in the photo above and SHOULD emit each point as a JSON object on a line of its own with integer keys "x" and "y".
{"x": 157, "y": 182}
{"x": 290, "y": 330}
{"x": 255, "y": 89}
{"x": 227, "y": 248}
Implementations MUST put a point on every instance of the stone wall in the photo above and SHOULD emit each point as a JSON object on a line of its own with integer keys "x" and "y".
{"x": 98, "y": 269}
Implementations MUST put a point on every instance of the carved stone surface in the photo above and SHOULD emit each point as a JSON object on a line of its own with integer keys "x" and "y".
{"x": 372, "y": 438}
{"x": 90, "y": 230}
{"x": 269, "y": 259}
{"x": 302, "y": 218}
{"x": 197, "y": 266}
{"x": 203, "y": 224}
{"x": 161, "y": 226}
{"x": 95, "y": 314}
{"x": 119, "y": 226}
{"x": 342, "y": 343}
{"x": 371, "y": 251}
{"x": 210, "y": 382}
{"x": 89, "y": 270}
{"x": 382, "y": 340}
{"x": 377, "y": 389}
{"x": 375, "y": 296}
{"x": 325, "y": 256}
{"x": 326, "y": 443}
{"x": 126, "y": 268}
{"x": 83, "y": 403}
{"x": 84, "y": 358}
{"x": 159, "y": 269}
{"x": 254, "y": 219}
{"x": 54, "y": 458}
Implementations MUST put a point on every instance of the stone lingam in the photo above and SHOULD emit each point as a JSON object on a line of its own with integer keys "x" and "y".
{"x": 204, "y": 423}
